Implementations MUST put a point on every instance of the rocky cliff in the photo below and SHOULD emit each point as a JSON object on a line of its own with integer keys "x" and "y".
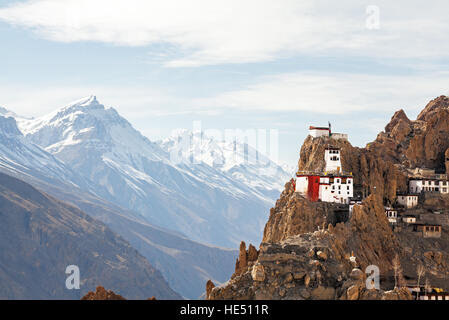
{"x": 306, "y": 261}
{"x": 421, "y": 143}
{"x": 315, "y": 251}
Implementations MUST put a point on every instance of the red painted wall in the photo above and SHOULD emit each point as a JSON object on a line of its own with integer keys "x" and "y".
{"x": 313, "y": 189}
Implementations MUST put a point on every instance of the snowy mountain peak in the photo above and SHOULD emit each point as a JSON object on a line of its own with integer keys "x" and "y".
{"x": 89, "y": 125}
{"x": 198, "y": 147}
{"x": 89, "y": 101}
{"x": 232, "y": 157}
{"x": 88, "y": 105}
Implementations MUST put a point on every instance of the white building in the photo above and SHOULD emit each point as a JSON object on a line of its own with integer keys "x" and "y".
{"x": 337, "y": 189}
{"x": 409, "y": 219}
{"x": 392, "y": 215}
{"x": 330, "y": 186}
{"x": 408, "y": 200}
{"x": 428, "y": 185}
{"x": 326, "y": 132}
{"x": 319, "y": 131}
{"x": 352, "y": 203}
{"x": 332, "y": 158}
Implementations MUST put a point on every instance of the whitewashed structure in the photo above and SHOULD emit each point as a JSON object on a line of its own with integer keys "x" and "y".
{"x": 409, "y": 219}
{"x": 319, "y": 131}
{"x": 352, "y": 203}
{"x": 332, "y": 158}
{"x": 408, "y": 200}
{"x": 326, "y": 132}
{"x": 330, "y": 186}
{"x": 392, "y": 215}
{"x": 418, "y": 185}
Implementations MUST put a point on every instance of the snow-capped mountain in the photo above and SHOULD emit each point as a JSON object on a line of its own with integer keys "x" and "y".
{"x": 187, "y": 265}
{"x": 25, "y": 159}
{"x": 233, "y": 158}
{"x": 205, "y": 202}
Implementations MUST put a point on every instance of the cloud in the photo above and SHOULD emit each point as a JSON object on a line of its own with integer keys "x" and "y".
{"x": 334, "y": 93}
{"x": 134, "y": 102}
{"x": 315, "y": 92}
{"x": 205, "y": 32}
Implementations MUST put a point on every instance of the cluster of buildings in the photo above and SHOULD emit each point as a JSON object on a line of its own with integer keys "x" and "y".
{"x": 334, "y": 185}
{"x": 330, "y": 185}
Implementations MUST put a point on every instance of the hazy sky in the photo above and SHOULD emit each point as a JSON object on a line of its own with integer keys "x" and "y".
{"x": 247, "y": 64}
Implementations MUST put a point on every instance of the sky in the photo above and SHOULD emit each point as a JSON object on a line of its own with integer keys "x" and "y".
{"x": 251, "y": 64}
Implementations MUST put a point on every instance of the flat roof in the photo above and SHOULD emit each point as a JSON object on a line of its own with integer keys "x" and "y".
{"x": 322, "y": 175}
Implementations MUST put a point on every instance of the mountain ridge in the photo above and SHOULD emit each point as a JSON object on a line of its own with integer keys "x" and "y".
{"x": 27, "y": 165}
{"x": 129, "y": 170}
{"x": 41, "y": 236}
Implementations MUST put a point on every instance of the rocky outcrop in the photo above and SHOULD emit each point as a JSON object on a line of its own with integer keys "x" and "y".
{"x": 293, "y": 214}
{"x": 419, "y": 143}
{"x": 370, "y": 236}
{"x": 102, "y": 294}
{"x": 433, "y": 107}
{"x": 245, "y": 258}
{"x": 302, "y": 267}
{"x": 310, "y": 250}
{"x": 321, "y": 263}
{"x": 209, "y": 286}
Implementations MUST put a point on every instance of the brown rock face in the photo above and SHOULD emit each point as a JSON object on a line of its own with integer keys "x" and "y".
{"x": 420, "y": 143}
{"x": 371, "y": 237}
{"x": 209, "y": 286}
{"x": 399, "y": 116}
{"x": 446, "y": 160}
{"x": 242, "y": 261}
{"x": 252, "y": 253}
{"x": 246, "y": 258}
{"x": 102, "y": 294}
{"x": 433, "y": 106}
{"x": 293, "y": 214}
{"x": 292, "y": 269}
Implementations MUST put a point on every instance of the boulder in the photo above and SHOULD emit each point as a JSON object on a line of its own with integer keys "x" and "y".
{"x": 258, "y": 272}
